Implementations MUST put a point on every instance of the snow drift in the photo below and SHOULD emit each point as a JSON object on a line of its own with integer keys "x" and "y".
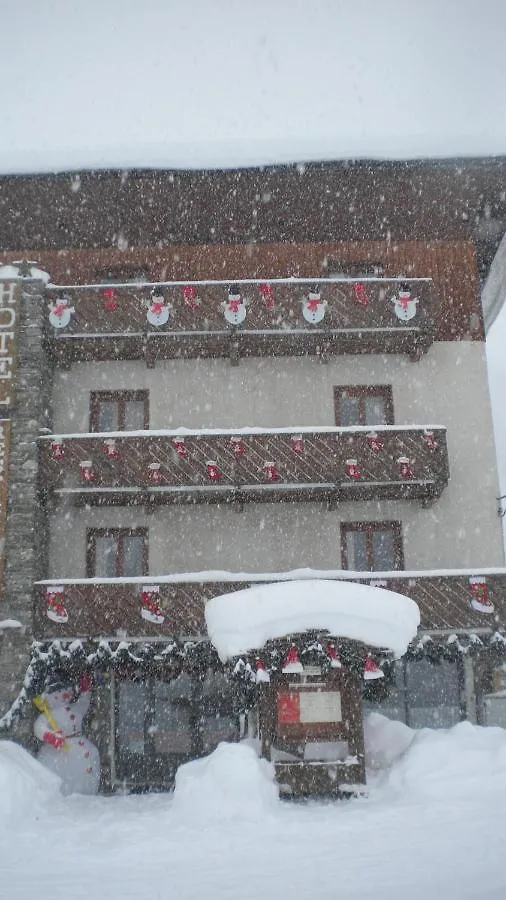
{"x": 451, "y": 763}
{"x": 27, "y": 789}
{"x": 230, "y": 784}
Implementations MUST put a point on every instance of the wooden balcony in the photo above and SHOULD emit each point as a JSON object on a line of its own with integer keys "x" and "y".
{"x": 330, "y": 464}
{"x": 112, "y": 607}
{"x": 283, "y": 316}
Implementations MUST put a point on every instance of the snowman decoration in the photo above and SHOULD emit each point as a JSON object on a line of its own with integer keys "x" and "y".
{"x": 65, "y": 750}
{"x": 313, "y": 307}
{"x": 60, "y": 311}
{"x": 158, "y": 309}
{"x": 234, "y": 307}
{"x": 404, "y": 304}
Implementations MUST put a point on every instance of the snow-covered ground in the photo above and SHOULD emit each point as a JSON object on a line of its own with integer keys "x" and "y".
{"x": 433, "y": 822}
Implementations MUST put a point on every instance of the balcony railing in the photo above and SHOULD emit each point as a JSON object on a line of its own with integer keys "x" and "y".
{"x": 449, "y": 601}
{"x": 282, "y": 316}
{"x": 333, "y": 464}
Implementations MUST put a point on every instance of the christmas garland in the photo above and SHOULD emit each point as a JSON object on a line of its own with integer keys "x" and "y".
{"x": 68, "y": 661}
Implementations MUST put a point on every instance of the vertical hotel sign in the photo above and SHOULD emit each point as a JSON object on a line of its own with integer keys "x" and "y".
{"x": 10, "y": 292}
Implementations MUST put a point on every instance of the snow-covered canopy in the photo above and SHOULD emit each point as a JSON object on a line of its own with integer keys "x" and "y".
{"x": 220, "y": 83}
{"x": 245, "y": 620}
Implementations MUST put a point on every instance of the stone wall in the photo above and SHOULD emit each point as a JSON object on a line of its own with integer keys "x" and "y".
{"x": 25, "y": 552}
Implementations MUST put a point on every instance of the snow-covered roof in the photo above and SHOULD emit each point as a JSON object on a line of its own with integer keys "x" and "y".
{"x": 237, "y": 84}
{"x": 222, "y": 575}
{"x": 245, "y": 620}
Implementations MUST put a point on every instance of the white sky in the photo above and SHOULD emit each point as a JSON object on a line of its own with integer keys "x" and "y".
{"x": 203, "y": 83}
{"x": 229, "y": 82}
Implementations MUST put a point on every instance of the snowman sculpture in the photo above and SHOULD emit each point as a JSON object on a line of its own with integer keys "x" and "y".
{"x": 65, "y": 750}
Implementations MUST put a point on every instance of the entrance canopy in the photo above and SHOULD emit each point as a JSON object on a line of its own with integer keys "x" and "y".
{"x": 245, "y": 620}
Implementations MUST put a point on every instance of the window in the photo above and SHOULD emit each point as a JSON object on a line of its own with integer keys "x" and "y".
{"x": 117, "y": 552}
{"x": 361, "y": 268}
{"x": 371, "y": 546}
{"x": 121, "y": 275}
{"x": 163, "y": 722}
{"x": 424, "y": 694}
{"x": 119, "y": 410}
{"x": 364, "y": 405}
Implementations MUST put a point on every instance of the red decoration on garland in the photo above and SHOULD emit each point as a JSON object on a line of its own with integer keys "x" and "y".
{"x": 335, "y": 662}
{"x": 180, "y": 447}
{"x": 190, "y": 296}
{"x": 56, "y": 609}
{"x": 110, "y": 296}
{"x": 480, "y": 600}
{"x": 292, "y": 663}
{"x": 237, "y": 446}
{"x": 213, "y": 471}
{"x": 267, "y": 293}
{"x": 271, "y": 471}
{"x": 262, "y": 676}
{"x": 298, "y": 444}
{"x": 376, "y": 443}
{"x": 57, "y": 450}
{"x": 372, "y": 671}
{"x": 353, "y": 469}
{"x": 151, "y": 610}
{"x": 154, "y": 473}
{"x": 110, "y": 449}
{"x": 361, "y": 294}
{"x": 430, "y": 439}
{"x": 87, "y": 473}
{"x": 405, "y": 467}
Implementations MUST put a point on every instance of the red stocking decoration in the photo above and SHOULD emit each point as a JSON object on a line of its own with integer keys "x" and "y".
{"x": 151, "y": 610}
{"x": 480, "y": 597}
{"x": 292, "y": 663}
{"x": 372, "y": 671}
{"x": 262, "y": 676}
{"x": 361, "y": 294}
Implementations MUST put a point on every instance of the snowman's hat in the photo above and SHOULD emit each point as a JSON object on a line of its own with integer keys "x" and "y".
{"x": 57, "y": 683}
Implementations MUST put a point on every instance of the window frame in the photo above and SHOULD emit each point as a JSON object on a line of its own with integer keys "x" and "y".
{"x": 355, "y": 269}
{"x": 122, "y": 398}
{"x": 362, "y": 391}
{"x": 399, "y": 703}
{"x": 119, "y": 533}
{"x": 370, "y": 528}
